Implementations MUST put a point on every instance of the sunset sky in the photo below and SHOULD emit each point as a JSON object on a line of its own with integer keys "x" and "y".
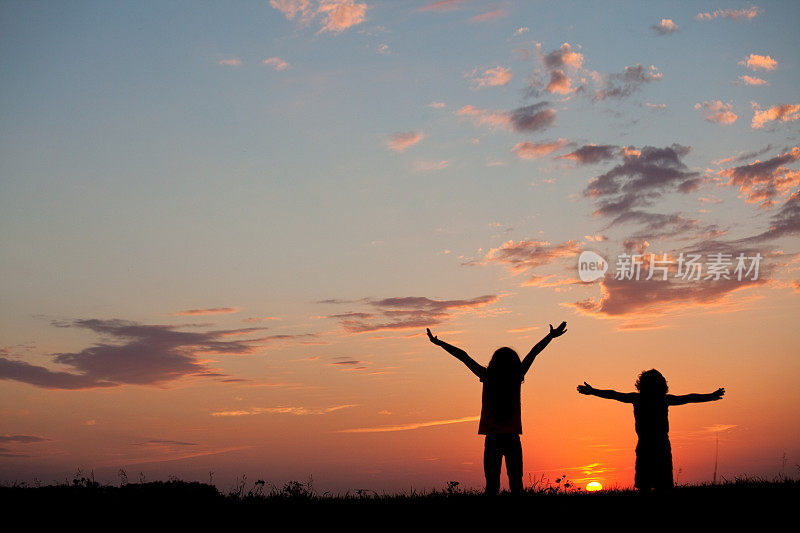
{"x": 224, "y": 228}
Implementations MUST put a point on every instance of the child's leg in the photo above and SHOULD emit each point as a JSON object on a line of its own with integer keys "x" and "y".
{"x": 492, "y": 456}
{"x": 513, "y": 454}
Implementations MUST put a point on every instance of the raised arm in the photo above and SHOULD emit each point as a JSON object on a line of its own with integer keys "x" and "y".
{"x": 625, "y": 397}
{"x": 459, "y": 354}
{"x": 695, "y": 398}
{"x": 541, "y": 345}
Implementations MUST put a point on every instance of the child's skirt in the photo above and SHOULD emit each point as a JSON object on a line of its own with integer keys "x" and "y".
{"x": 653, "y": 465}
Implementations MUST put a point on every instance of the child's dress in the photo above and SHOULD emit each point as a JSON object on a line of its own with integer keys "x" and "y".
{"x": 501, "y": 411}
{"x": 501, "y": 422}
{"x": 653, "y": 451}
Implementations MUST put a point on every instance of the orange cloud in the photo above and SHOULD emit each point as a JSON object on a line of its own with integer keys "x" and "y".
{"x": 522, "y": 330}
{"x": 781, "y": 113}
{"x": 259, "y": 319}
{"x": 593, "y": 153}
{"x": 290, "y": 410}
{"x": 521, "y": 256}
{"x": 559, "y": 83}
{"x": 548, "y": 281}
{"x": 756, "y": 62}
{"x": 716, "y": 111}
{"x": 211, "y": 311}
{"x": 765, "y": 181}
{"x": 399, "y": 142}
{"x": 752, "y": 80}
{"x": 526, "y": 150}
{"x": 409, "y": 312}
{"x": 408, "y": 427}
{"x": 639, "y": 298}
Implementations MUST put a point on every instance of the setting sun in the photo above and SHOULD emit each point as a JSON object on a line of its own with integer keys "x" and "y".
{"x": 594, "y": 486}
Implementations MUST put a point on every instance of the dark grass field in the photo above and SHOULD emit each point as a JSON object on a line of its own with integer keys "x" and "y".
{"x": 728, "y": 503}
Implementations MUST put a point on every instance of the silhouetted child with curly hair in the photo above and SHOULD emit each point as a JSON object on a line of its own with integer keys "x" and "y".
{"x": 501, "y": 414}
{"x": 650, "y": 404}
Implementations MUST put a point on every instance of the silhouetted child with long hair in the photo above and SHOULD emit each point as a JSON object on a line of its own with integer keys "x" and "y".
{"x": 501, "y": 417}
{"x": 650, "y": 404}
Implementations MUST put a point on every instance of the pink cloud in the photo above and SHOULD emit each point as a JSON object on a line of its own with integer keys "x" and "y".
{"x": 335, "y": 15}
{"x": 665, "y": 27}
{"x": 399, "y": 142}
{"x": 443, "y": 5}
{"x": 292, "y": 8}
{"x": 560, "y": 57}
{"x": 716, "y": 111}
{"x": 489, "y": 15}
{"x": 430, "y": 166}
{"x": 341, "y": 14}
{"x": 482, "y": 117}
{"x": 276, "y": 63}
{"x": 523, "y": 119}
{"x": 138, "y": 354}
{"x": 493, "y": 77}
{"x": 230, "y": 62}
{"x": 781, "y": 113}
{"x": 735, "y": 14}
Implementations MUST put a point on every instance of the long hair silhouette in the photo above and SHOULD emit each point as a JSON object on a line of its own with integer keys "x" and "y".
{"x": 504, "y": 366}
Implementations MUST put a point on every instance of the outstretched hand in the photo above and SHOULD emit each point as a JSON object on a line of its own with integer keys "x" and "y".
{"x": 718, "y": 394}
{"x": 434, "y": 340}
{"x": 560, "y": 330}
{"x": 585, "y": 388}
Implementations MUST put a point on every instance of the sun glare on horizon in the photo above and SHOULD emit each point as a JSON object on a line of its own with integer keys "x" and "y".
{"x": 594, "y": 486}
